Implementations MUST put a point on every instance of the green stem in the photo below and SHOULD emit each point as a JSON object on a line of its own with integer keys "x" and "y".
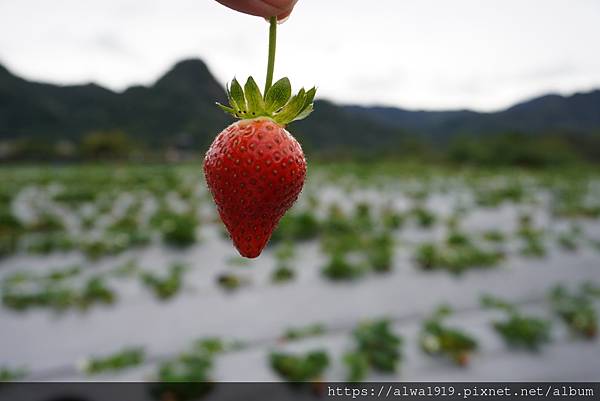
{"x": 271, "y": 62}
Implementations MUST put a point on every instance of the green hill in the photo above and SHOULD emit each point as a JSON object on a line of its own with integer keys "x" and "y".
{"x": 178, "y": 110}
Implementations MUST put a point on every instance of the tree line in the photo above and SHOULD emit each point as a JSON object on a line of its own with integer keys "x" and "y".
{"x": 504, "y": 149}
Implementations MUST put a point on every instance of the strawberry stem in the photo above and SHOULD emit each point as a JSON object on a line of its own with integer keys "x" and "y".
{"x": 276, "y": 102}
{"x": 271, "y": 62}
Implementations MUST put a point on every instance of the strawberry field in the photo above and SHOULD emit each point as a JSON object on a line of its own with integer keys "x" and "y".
{"x": 386, "y": 271}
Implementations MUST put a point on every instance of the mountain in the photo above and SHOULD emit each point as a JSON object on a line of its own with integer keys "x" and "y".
{"x": 179, "y": 103}
{"x": 579, "y": 113}
{"x": 29, "y": 108}
{"x": 178, "y": 109}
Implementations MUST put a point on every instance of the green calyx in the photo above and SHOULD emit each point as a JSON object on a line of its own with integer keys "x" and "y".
{"x": 277, "y": 103}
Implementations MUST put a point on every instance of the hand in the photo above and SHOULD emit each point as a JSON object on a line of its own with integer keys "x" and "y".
{"x": 262, "y": 8}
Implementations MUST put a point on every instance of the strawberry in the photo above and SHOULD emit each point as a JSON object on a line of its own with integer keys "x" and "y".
{"x": 255, "y": 169}
{"x": 462, "y": 358}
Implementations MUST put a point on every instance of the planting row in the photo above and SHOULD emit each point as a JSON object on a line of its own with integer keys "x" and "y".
{"x": 376, "y": 346}
{"x": 100, "y": 211}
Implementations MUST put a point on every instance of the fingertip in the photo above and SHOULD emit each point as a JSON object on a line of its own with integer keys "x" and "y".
{"x": 285, "y": 15}
{"x": 281, "y": 18}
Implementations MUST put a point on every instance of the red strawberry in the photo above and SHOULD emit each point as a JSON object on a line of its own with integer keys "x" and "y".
{"x": 255, "y": 169}
{"x": 462, "y": 359}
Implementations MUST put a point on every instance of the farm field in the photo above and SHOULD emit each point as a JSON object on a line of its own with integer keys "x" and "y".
{"x": 382, "y": 271}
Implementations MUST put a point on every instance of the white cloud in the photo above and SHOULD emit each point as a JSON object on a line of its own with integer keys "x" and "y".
{"x": 409, "y": 53}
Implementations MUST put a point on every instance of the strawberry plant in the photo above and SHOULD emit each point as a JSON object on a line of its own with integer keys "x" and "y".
{"x": 494, "y": 236}
{"x": 576, "y": 309}
{"x": 392, "y": 220}
{"x": 123, "y": 359}
{"x": 299, "y": 226}
{"x": 111, "y": 243}
{"x": 418, "y": 194}
{"x": 177, "y": 229}
{"x": 518, "y": 330}
{"x": 456, "y": 258}
{"x": 165, "y": 287}
{"x": 283, "y": 271}
{"x": 62, "y": 274}
{"x": 340, "y": 268}
{"x": 54, "y": 275}
{"x": 377, "y": 347}
{"x": 590, "y": 289}
{"x": 255, "y": 168}
{"x": 188, "y": 376}
{"x": 76, "y": 195}
{"x": 10, "y": 374}
{"x": 568, "y": 240}
{"x": 424, "y": 217}
{"x": 457, "y": 238}
{"x": 298, "y": 333}
{"x": 8, "y": 244}
{"x": 362, "y": 216}
{"x": 10, "y": 230}
{"x": 95, "y": 291}
{"x": 56, "y": 295}
{"x": 531, "y": 238}
{"x": 127, "y": 269}
{"x": 355, "y": 244}
{"x": 300, "y": 368}
{"x": 47, "y": 243}
{"x": 341, "y": 234}
{"x": 492, "y": 196}
{"x": 357, "y": 365}
{"x": 46, "y": 222}
{"x": 380, "y": 252}
{"x": 215, "y": 345}
{"x": 282, "y": 274}
{"x": 230, "y": 281}
{"x": 438, "y": 339}
{"x": 8, "y": 221}
{"x": 573, "y": 202}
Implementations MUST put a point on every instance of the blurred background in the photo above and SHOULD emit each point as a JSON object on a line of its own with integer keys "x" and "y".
{"x": 449, "y": 228}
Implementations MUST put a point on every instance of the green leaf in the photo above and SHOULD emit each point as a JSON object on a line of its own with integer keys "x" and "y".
{"x": 304, "y": 113}
{"x": 308, "y": 105}
{"x": 292, "y": 108}
{"x": 255, "y": 102}
{"x": 278, "y": 95}
{"x": 247, "y": 102}
{"x": 228, "y": 94}
{"x": 310, "y": 96}
{"x": 237, "y": 96}
{"x": 226, "y": 109}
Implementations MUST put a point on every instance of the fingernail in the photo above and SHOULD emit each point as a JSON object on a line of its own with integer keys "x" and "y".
{"x": 281, "y": 21}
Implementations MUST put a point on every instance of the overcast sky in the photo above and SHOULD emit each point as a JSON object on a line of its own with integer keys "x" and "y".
{"x": 480, "y": 54}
